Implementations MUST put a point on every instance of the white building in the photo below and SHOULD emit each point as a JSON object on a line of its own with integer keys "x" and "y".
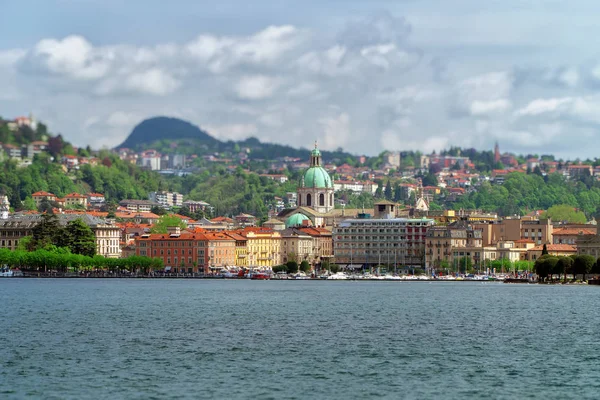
{"x": 150, "y": 159}
{"x": 167, "y": 199}
{"x": 384, "y": 239}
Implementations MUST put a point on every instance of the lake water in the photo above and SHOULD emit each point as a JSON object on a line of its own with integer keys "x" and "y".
{"x": 178, "y": 339}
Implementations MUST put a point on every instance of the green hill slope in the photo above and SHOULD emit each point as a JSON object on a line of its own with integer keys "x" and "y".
{"x": 164, "y": 128}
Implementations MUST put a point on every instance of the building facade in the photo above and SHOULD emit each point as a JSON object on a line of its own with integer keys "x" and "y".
{"x": 381, "y": 240}
{"x": 180, "y": 252}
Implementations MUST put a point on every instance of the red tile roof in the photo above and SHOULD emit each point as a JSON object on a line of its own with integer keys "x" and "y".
{"x": 564, "y": 248}
{"x": 43, "y": 194}
{"x": 573, "y": 231}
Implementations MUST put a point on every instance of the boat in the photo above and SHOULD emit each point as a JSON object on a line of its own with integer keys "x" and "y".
{"x": 261, "y": 276}
{"x": 337, "y": 276}
{"x": 6, "y": 272}
{"x": 300, "y": 275}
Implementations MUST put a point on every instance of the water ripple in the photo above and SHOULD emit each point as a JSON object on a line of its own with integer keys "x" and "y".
{"x": 153, "y": 339}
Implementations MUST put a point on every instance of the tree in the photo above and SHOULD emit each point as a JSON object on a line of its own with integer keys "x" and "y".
{"x": 158, "y": 210}
{"x": 583, "y": 265}
{"x": 80, "y": 238}
{"x": 430, "y": 180}
{"x": 596, "y": 268}
{"x": 29, "y": 204}
{"x": 563, "y": 266}
{"x": 292, "y": 267}
{"x": 167, "y": 221}
{"x": 305, "y": 266}
{"x": 544, "y": 250}
{"x": 464, "y": 264}
{"x": 26, "y": 244}
{"x": 388, "y": 191}
{"x": 46, "y": 206}
{"x": 46, "y": 232}
{"x": 565, "y": 213}
{"x": 544, "y": 265}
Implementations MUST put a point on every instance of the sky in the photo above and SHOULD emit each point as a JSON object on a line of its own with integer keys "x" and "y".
{"x": 365, "y": 76}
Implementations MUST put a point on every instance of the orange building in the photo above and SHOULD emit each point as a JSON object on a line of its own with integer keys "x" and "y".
{"x": 220, "y": 250}
{"x": 179, "y": 251}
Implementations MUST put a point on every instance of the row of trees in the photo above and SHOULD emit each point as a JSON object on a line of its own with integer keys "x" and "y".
{"x": 465, "y": 265}
{"x": 547, "y": 266}
{"x": 61, "y": 259}
{"x": 292, "y": 267}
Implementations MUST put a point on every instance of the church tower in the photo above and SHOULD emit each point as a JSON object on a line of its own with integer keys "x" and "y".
{"x": 316, "y": 189}
{"x": 496, "y": 153}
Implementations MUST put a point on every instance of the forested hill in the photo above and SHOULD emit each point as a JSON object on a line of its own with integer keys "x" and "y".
{"x": 166, "y": 134}
{"x": 160, "y": 128}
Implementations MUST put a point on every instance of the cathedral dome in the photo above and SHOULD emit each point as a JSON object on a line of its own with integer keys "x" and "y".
{"x": 297, "y": 220}
{"x": 316, "y": 176}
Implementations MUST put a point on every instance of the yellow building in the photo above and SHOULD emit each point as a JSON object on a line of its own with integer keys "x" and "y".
{"x": 264, "y": 247}
{"x": 241, "y": 249}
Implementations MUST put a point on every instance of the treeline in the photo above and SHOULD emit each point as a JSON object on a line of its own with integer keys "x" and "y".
{"x": 547, "y": 266}
{"x": 465, "y": 265}
{"x": 521, "y": 193}
{"x": 114, "y": 178}
{"x": 62, "y": 260}
{"x": 233, "y": 192}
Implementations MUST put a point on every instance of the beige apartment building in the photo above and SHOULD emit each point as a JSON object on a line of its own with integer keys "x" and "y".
{"x": 297, "y": 246}
{"x": 452, "y": 243}
{"x": 514, "y": 229}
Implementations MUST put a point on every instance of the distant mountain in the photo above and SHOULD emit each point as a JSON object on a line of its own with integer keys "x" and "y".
{"x": 166, "y": 134}
{"x": 165, "y": 128}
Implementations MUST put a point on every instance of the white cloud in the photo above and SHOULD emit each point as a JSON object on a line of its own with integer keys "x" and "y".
{"x": 232, "y": 131}
{"x": 365, "y": 89}
{"x": 543, "y": 106}
{"x": 120, "y": 119}
{"x": 303, "y": 89}
{"x": 336, "y": 131}
{"x": 488, "y": 107}
{"x": 154, "y": 81}
{"x": 73, "y": 57}
{"x": 256, "y": 87}
{"x": 328, "y": 62}
{"x": 483, "y": 94}
{"x": 569, "y": 77}
{"x": 11, "y": 57}
{"x": 264, "y": 47}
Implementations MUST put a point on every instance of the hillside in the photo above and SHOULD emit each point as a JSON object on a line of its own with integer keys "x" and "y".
{"x": 165, "y": 133}
{"x": 161, "y": 128}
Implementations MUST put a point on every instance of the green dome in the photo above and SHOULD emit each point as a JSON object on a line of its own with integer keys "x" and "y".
{"x": 317, "y": 177}
{"x": 296, "y": 220}
{"x": 316, "y": 152}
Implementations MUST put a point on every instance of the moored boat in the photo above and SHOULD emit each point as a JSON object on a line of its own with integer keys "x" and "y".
{"x": 6, "y": 272}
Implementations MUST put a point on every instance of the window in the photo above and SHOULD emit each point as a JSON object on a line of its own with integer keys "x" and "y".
{"x": 308, "y": 200}
{"x": 321, "y": 199}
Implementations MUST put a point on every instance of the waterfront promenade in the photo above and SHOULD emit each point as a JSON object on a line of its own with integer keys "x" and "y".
{"x": 275, "y": 277}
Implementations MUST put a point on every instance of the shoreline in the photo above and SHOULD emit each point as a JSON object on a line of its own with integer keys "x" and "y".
{"x": 508, "y": 281}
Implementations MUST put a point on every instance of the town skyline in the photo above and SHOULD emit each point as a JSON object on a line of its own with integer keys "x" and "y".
{"x": 406, "y": 75}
